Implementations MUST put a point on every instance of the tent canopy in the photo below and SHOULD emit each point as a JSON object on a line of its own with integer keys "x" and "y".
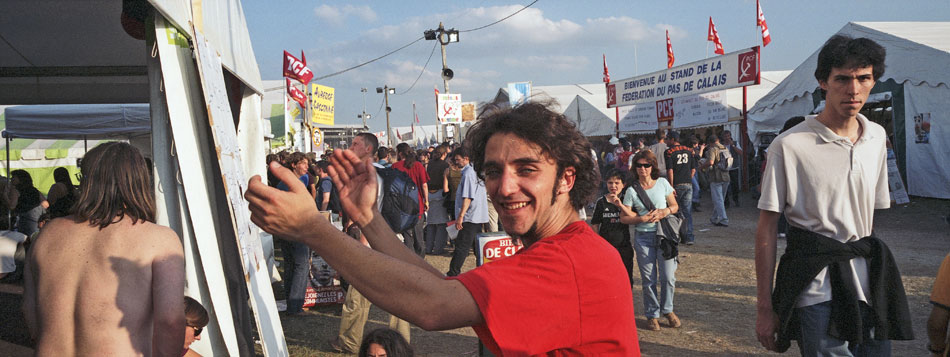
{"x": 906, "y": 44}
{"x": 77, "y": 121}
{"x": 62, "y": 51}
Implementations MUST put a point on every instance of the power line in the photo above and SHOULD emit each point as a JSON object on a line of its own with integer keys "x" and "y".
{"x": 423, "y": 70}
{"x": 417, "y": 40}
{"x": 502, "y": 19}
{"x": 370, "y": 61}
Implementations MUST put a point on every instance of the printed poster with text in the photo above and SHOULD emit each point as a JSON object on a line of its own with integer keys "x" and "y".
{"x": 321, "y": 104}
{"x": 495, "y": 245}
{"x": 450, "y": 108}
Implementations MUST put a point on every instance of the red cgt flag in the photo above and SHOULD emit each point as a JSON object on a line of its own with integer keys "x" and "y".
{"x": 669, "y": 51}
{"x": 760, "y": 21}
{"x": 296, "y": 69}
{"x": 296, "y": 94}
{"x": 714, "y": 37}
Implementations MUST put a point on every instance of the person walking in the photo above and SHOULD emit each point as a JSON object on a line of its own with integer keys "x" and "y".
{"x": 657, "y": 274}
{"x": 718, "y": 180}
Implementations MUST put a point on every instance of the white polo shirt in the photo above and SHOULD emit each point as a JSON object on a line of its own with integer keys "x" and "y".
{"x": 827, "y": 185}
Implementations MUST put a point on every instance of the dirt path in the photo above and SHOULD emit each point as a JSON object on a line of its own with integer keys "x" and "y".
{"x": 715, "y": 295}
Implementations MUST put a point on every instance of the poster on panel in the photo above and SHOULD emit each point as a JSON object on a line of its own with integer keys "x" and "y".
{"x": 450, "y": 108}
{"x": 321, "y": 104}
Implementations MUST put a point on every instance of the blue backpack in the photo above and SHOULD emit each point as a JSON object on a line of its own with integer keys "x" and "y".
{"x": 400, "y": 202}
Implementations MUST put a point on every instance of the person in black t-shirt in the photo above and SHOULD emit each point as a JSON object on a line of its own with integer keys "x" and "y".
{"x": 606, "y": 219}
{"x": 680, "y": 168}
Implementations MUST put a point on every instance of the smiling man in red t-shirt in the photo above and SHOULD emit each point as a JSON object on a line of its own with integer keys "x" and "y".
{"x": 565, "y": 293}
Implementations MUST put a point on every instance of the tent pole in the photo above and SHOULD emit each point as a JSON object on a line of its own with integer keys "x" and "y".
{"x": 85, "y": 144}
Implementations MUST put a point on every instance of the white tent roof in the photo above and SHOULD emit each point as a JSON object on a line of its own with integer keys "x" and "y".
{"x": 77, "y": 121}
{"x": 63, "y": 51}
{"x": 591, "y": 99}
{"x": 906, "y": 44}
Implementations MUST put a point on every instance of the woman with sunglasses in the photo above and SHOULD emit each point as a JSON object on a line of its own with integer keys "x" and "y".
{"x": 650, "y": 260}
{"x": 196, "y": 318}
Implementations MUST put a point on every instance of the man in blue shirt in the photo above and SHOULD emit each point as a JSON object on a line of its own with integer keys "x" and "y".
{"x": 471, "y": 210}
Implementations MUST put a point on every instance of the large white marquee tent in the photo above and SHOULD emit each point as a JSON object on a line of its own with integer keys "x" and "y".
{"x": 916, "y": 82}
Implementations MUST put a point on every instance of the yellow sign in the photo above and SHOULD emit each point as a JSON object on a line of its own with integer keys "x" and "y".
{"x": 321, "y": 104}
{"x": 317, "y": 135}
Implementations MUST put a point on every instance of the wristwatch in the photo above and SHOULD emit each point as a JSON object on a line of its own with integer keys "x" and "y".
{"x": 935, "y": 351}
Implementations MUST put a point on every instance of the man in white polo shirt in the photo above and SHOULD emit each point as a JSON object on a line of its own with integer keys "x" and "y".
{"x": 828, "y": 175}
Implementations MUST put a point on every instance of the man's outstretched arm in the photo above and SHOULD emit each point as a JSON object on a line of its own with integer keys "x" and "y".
{"x": 389, "y": 276}
{"x": 766, "y": 320}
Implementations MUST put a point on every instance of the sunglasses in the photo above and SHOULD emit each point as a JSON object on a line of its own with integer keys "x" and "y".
{"x": 197, "y": 330}
{"x": 642, "y": 166}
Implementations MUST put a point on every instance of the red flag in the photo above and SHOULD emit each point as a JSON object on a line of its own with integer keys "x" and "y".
{"x": 713, "y": 36}
{"x": 606, "y": 75}
{"x": 436, "y": 90}
{"x": 760, "y": 21}
{"x": 296, "y": 69}
{"x": 669, "y": 51}
{"x": 414, "y": 111}
{"x": 296, "y": 94}
{"x": 303, "y": 58}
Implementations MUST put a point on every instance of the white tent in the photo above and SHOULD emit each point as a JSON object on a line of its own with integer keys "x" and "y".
{"x": 915, "y": 84}
{"x": 40, "y": 138}
{"x": 78, "y": 52}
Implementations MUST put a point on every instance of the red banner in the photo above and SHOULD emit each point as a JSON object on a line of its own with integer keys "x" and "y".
{"x": 296, "y": 94}
{"x": 713, "y": 36}
{"x": 669, "y": 51}
{"x": 296, "y": 69}
{"x": 760, "y": 21}
{"x": 606, "y": 74}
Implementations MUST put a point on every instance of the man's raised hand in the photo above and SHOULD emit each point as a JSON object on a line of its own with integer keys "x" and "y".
{"x": 286, "y": 214}
{"x": 355, "y": 182}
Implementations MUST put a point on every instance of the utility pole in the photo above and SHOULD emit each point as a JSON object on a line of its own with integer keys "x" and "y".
{"x": 364, "y": 115}
{"x": 386, "y": 90}
{"x": 444, "y": 37}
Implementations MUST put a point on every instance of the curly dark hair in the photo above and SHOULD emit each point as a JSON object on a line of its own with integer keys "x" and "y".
{"x": 391, "y": 341}
{"x": 846, "y": 52}
{"x": 557, "y": 137}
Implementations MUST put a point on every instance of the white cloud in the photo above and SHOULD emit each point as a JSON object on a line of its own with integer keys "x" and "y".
{"x": 334, "y": 15}
{"x": 554, "y": 62}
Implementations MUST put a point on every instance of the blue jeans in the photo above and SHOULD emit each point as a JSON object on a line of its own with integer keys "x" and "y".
{"x": 296, "y": 273}
{"x": 696, "y": 189}
{"x": 436, "y": 236}
{"x": 684, "y": 198}
{"x": 718, "y": 190}
{"x": 815, "y": 340}
{"x": 652, "y": 266}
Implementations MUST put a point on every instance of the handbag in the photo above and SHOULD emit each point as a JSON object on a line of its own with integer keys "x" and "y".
{"x": 669, "y": 238}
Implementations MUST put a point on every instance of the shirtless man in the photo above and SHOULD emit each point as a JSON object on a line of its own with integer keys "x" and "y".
{"x": 107, "y": 281}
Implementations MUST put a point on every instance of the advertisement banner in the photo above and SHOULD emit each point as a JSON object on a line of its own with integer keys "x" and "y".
{"x": 469, "y": 111}
{"x": 682, "y": 112}
{"x": 518, "y": 92}
{"x": 450, "y": 108}
{"x": 324, "y": 287}
{"x": 495, "y": 245}
{"x": 734, "y": 69}
{"x": 317, "y": 136}
{"x": 321, "y": 104}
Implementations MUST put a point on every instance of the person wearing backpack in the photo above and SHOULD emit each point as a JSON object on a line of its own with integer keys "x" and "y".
{"x": 413, "y": 237}
{"x": 717, "y": 164}
{"x": 327, "y": 197}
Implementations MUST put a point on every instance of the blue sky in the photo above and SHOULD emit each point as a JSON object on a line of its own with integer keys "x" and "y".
{"x": 554, "y": 42}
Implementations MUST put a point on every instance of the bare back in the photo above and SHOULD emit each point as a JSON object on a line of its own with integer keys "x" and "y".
{"x": 115, "y": 291}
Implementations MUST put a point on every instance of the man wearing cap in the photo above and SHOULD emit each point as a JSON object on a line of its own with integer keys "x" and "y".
{"x": 680, "y": 169}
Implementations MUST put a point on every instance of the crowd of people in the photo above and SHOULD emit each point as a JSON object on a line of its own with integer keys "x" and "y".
{"x": 115, "y": 286}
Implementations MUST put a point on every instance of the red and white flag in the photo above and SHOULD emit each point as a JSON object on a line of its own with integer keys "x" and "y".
{"x": 713, "y": 36}
{"x": 606, "y": 75}
{"x": 414, "y": 111}
{"x": 296, "y": 94}
{"x": 296, "y": 69}
{"x": 760, "y": 21}
{"x": 669, "y": 51}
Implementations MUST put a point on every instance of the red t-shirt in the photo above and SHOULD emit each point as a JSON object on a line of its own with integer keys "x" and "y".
{"x": 566, "y": 294}
{"x": 419, "y": 176}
